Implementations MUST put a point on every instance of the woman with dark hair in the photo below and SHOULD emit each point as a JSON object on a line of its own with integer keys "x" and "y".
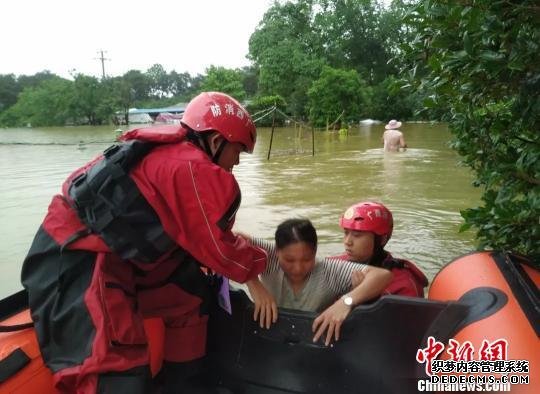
{"x": 299, "y": 280}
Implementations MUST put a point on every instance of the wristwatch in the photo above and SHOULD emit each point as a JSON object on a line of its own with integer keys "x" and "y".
{"x": 347, "y": 300}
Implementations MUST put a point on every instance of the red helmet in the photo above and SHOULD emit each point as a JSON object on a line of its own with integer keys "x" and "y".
{"x": 220, "y": 112}
{"x": 369, "y": 216}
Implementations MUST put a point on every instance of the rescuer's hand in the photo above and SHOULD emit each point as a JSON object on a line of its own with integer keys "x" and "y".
{"x": 247, "y": 237}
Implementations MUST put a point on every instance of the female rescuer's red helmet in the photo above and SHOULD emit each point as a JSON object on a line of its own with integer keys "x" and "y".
{"x": 220, "y": 112}
{"x": 369, "y": 216}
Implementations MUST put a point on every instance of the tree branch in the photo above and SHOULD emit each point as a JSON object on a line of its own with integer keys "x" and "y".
{"x": 527, "y": 178}
{"x": 525, "y": 140}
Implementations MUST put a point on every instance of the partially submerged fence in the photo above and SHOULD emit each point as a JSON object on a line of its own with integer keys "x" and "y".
{"x": 271, "y": 111}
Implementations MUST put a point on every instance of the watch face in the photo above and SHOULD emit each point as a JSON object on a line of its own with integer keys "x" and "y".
{"x": 347, "y": 301}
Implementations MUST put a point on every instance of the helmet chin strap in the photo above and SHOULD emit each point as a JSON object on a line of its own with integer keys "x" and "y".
{"x": 201, "y": 140}
{"x": 219, "y": 151}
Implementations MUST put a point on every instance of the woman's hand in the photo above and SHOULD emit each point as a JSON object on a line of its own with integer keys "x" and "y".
{"x": 330, "y": 321}
{"x": 366, "y": 285}
{"x": 265, "y": 305}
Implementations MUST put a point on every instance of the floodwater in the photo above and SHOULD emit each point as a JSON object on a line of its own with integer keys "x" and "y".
{"x": 424, "y": 187}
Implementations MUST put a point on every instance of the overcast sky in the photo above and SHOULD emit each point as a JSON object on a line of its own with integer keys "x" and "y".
{"x": 181, "y": 35}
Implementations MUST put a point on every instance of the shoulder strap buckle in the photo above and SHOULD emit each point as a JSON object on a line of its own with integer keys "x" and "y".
{"x": 111, "y": 150}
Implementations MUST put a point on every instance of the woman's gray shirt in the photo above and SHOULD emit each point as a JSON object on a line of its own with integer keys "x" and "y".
{"x": 329, "y": 280}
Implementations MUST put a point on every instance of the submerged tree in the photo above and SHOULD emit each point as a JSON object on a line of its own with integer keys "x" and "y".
{"x": 337, "y": 96}
{"x": 44, "y": 105}
{"x": 89, "y": 101}
{"x": 482, "y": 63}
{"x": 11, "y": 86}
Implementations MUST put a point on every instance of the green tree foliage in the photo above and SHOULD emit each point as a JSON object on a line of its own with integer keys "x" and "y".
{"x": 388, "y": 100}
{"x": 44, "y": 105}
{"x": 250, "y": 80}
{"x": 9, "y": 90}
{"x": 224, "y": 80}
{"x": 336, "y": 95}
{"x": 11, "y": 86}
{"x": 159, "y": 81}
{"x": 180, "y": 85}
{"x": 122, "y": 94}
{"x": 195, "y": 86}
{"x": 32, "y": 81}
{"x": 140, "y": 85}
{"x": 296, "y": 39}
{"x": 482, "y": 63}
{"x": 260, "y": 110}
{"x": 395, "y": 33}
{"x": 286, "y": 49}
{"x": 89, "y": 102}
{"x": 355, "y": 36}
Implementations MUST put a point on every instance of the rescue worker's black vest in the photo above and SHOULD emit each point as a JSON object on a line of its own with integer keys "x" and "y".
{"x": 109, "y": 203}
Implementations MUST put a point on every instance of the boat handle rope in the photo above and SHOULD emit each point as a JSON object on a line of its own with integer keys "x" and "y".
{"x": 16, "y": 327}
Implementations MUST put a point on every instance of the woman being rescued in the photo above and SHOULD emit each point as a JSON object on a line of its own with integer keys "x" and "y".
{"x": 298, "y": 280}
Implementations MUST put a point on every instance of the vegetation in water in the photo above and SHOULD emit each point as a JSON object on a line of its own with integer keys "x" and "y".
{"x": 479, "y": 61}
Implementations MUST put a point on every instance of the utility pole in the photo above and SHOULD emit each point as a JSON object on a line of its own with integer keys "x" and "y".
{"x": 102, "y": 58}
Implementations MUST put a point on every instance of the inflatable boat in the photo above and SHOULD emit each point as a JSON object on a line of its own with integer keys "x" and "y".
{"x": 480, "y": 297}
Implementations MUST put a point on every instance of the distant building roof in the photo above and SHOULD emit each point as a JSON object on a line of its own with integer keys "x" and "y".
{"x": 156, "y": 111}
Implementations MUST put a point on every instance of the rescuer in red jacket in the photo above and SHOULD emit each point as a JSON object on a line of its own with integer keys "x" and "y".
{"x": 126, "y": 239}
{"x": 367, "y": 228}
